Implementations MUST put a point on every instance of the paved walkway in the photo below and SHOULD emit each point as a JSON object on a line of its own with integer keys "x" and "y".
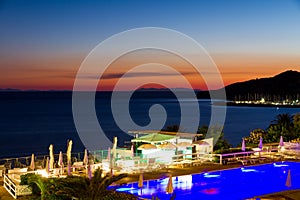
{"x": 286, "y": 195}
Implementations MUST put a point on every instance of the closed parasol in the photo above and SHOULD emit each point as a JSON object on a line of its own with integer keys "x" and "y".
{"x": 47, "y": 165}
{"x": 60, "y": 159}
{"x": 141, "y": 180}
{"x": 114, "y": 149}
{"x": 51, "y": 154}
{"x": 89, "y": 172}
{"x": 169, "y": 188}
{"x": 243, "y": 145}
{"x": 281, "y": 143}
{"x": 260, "y": 145}
{"x": 69, "y": 169}
{"x": 288, "y": 182}
{"x": 69, "y": 150}
{"x": 60, "y": 162}
{"x": 32, "y": 165}
{"x": 85, "y": 157}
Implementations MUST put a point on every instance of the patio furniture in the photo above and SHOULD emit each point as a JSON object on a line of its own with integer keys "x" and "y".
{"x": 78, "y": 166}
{"x": 15, "y": 174}
{"x": 2, "y": 170}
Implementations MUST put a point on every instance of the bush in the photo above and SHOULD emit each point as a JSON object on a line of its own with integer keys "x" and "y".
{"x": 25, "y": 180}
{"x": 113, "y": 195}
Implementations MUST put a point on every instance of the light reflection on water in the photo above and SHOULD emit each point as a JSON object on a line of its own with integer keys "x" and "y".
{"x": 238, "y": 183}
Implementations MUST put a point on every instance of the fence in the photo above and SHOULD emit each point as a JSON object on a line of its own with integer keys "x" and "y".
{"x": 14, "y": 189}
{"x": 266, "y": 151}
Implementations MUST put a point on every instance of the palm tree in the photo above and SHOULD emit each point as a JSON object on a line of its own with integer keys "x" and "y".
{"x": 86, "y": 189}
{"x": 296, "y": 121}
{"x": 284, "y": 120}
{"x": 47, "y": 188}
{"x": 80, "y": 187}
{"x": 40, "y": 183}
{"x": 282, "y": 125}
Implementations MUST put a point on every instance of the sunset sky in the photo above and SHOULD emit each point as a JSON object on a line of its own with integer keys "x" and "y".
{"x": 43, "y": 43}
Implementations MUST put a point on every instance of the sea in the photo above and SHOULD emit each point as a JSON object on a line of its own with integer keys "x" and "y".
{"x": 31, "y": 121}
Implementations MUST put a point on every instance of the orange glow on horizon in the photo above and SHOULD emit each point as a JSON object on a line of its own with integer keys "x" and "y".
{"x": 60, "y": 75}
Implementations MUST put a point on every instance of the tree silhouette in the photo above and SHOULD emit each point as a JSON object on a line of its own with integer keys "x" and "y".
{"x": 79, "y": 187}
{"x": 285, "y": 120}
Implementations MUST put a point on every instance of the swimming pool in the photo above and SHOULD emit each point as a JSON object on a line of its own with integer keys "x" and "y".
{"x": 231, "y": 184}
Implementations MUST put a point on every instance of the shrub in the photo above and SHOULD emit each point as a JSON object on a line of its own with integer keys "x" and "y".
{"x": 25, "y": 180}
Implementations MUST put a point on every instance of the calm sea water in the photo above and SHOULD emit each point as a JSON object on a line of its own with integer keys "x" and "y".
{"x": 31, "y": 121}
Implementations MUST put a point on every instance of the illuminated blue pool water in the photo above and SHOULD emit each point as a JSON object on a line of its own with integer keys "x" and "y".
{"x": 238, "y": 183}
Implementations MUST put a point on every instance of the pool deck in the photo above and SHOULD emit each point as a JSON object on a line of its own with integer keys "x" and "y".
{"x": 175, "y": 171}
{"x": 164, "y": 173}
{"x": 286, "y": 195}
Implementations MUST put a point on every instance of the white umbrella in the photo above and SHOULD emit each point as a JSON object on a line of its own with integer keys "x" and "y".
{"x": 281, "y": 143}
{"x": 115, "y": 147}
{"x": 243, "y": 145}
{"x": 89, "y": 172}
{"x": 132, "y": 151}
{"x": 32, "y": 165}
{"x": 60, "y": 159}
{"x": 141, "y": 181}
{"x": 69, "y": 151}
{"x": 60, "y": 162}
{"x": 51, "y": 161}
{"x": 69, "y": 169}
{"x": 169, "y": 188}
{"x": 85, "y": 157}
{"x": 47, "y": 165}
{"x": 114, "y": 154}
{"x": 288, "y": 182}
{"x": 260, "y": 145}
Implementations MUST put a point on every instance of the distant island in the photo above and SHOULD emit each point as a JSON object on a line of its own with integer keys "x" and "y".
{"x": 282, "y": 90}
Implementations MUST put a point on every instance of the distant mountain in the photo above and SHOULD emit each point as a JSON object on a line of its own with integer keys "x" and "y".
{"x": 283, "y": 86}
{"x": 9, "y": 90}
{"x": 166, "y": 89}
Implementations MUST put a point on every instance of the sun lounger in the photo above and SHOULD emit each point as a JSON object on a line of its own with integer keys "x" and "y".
{"x": 230, "y": 160}
{"x": 183, "y": 163}
{"x": 78, "y": 166}
{"x": 197, "y": 162}
{"x": 15, "y": 174}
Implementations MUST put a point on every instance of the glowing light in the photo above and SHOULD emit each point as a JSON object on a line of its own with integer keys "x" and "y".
{"x": 207, "y": 175}
{"x": 211, "y": 191}
{"x": 184, "y": 182}
{"x": 280, "y": 165}
{"x": 248, "y": 170}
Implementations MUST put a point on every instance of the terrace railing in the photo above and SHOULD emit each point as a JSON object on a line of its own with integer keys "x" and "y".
{"x": 266, "y": 152}
{"x": 14, "y": 189}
